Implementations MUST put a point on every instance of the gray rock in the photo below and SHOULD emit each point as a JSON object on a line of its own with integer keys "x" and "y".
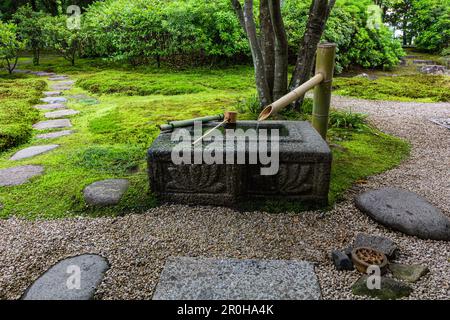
{"x": 383, "y": 244}
{"x": 105, "y": 192}
{"x": 53, "y": 135}
{"x": 43, "y": 73}
{"x": 58, "y": 284}
{"x": 32, "y": 151}
{"x": 410, "y": 273}
{"x": 423, "y": 61}
{"x": 61, "y": 113}
{"x": 389, "y": 289}
{"x": 362, "y": 75}
{"x": 51, "y": 106}
{"x": 185, "y": 278}
{"x": 60, "y": 87}
{"x": 444, "y": 122}
{"x": 58, "y": 78}
{"x": 341, "y": 260}
{"x": 433, "y": 69}
{"x": 65, "y": 83}
{"x": 54, "y": 100}
{"x": 406, "y": 212}
{"x": 52, "y": 93}
{"x": 19, "y": 175}
{"x": 52, "y": 124}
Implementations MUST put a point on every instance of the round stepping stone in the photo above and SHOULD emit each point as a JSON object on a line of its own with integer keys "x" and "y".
{"x": 52, "y": 93}
{"x": 52, "y": 124}
{"x": 406, "y": 212}
{"x": 61, "y": 113}
{"x": 106, "y": 192}
{"x": 18, "y": 175}
{"x": 51, "y": 106}
{"x": 32, "y": 151}
{"x": 53, "y": 135}
{"x": 74, "y": 278}
{"x": 185, "y": 278}
{"x": 54, "y": 99}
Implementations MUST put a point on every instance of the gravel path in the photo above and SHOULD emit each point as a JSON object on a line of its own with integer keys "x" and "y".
{"x": 137, "y": 245}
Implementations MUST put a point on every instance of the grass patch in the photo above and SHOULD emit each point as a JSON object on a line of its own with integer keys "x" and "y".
{"x": 17, "y": 96}
{"x": 423, "y": 88}
{"x": 112, "y": 137}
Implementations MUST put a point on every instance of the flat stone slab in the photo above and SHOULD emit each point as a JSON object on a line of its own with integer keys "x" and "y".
{"x": 51, "y": 106}
{"x": 19, "y": 175}
{"x": 43, "y": 73}
{"x": 390, "y": 289}
{"x": 406, "y": 212}
{"x": 410, "y": 273}
{"x": 52, "y": 93}
{"x": 444, "y": 122}
{"x": 54, "y": 99}
{"x": 52, "y": 124}
{"x": 60, "y": 283}
{"x": 185, "y": 278}
{"x": 53, "y": 135}
{"x": 60, "y": 87}
{"x": 105, "y": 192}
{"x": 58, "y": 78}
{"x": 61, "y": 113}
{"x": 32, "y": 151}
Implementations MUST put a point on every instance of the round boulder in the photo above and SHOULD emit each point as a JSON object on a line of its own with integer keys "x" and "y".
{"x": 406, "y": 212}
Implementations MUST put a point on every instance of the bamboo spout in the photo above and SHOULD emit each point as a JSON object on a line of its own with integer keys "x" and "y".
{"x": 287, "y": 99}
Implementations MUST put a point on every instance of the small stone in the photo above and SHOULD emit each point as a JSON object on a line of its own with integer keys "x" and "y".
{"x": 58, "y": 78}
{"x": 52, "y": 124}
{"x": 406, "y": 212}
{"x": 433, "y": 69}
{"x": 105, "y": 192}
{"x": 32, "y": 151}
{"x": 341, "y": 260}
{"x": 389, "y": 289}
{"x": 51, "y": 106}
{"x": 61, "y": 113}
{"x": 52, "y": 93}
{"x": 363, "y": 75}
{"x": 53, "y": 135}
{"x": 18, "y": 175}
{"x": 410, "y": 273}
{"x": 54, "y": 100}
{"x": 186, "y": 278}
{"x": 55, "y": 285}
{"x": 383, "y": 244}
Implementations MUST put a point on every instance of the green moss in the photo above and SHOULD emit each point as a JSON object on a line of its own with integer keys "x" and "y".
{"x": 425, "y": 88}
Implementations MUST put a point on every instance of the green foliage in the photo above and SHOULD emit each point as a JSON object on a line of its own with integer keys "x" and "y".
{"x": 427, "y": 88}
{"x": 357, "y": 42}
{"x": 10, "y": 45}
{"x": 30, "y": 27}
{"x": 348, "y": 120}
{"x": 16, "y": 112}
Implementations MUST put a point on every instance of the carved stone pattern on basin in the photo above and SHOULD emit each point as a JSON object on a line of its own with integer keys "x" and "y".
{"x": 194, "y": 178}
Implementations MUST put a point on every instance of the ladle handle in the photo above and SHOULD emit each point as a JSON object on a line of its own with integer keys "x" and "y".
{"x": 209, "y": 132}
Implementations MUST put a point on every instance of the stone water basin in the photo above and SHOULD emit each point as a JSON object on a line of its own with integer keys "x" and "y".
{"x": 303, "y": 166}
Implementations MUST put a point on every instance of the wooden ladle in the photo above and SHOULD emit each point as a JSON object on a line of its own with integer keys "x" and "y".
{"x": 229, "y": 117}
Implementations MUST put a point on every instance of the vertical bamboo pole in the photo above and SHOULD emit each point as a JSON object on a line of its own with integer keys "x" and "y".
{"x": 322, "y": 92}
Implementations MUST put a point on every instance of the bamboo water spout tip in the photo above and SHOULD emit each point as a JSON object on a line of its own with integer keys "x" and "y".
{"x": 266, "y": 113}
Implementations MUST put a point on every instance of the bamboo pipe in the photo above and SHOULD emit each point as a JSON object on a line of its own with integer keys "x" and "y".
{"x": 229, "y": 117}
{"x": 186, "y": 123}
{"x": 287, "y": 99}
{"x": 322, "y": 93}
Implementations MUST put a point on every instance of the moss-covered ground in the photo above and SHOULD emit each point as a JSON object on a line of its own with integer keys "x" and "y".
{"x": 112, "y": 137}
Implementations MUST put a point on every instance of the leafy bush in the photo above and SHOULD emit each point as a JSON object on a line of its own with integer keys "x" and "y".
{"x": 348, "y": 120}
{"x": 10, "y": 45}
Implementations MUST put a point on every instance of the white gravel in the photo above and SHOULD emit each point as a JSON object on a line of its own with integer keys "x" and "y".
{"x": 137, "y": 245}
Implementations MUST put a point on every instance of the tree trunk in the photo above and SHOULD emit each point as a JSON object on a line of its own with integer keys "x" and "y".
{"x": 281, "y": 51}
{"x": 248, "y": 23}
{"x": 318, "y": 16}
{"x": 267, "y": 43}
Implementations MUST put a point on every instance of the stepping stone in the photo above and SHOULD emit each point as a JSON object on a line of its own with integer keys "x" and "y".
{"x": 389, "y": 289}
{"x": 58, "y": 78}
{"x": 385, "y": 245}
{"x": 43, "y": 73}
{"x": 53, "y": 135}
{"x": 406, "y": 212}
{"x": 60, "y": 88}
{"x": 60, "y": 281}
{"x": 51, "y": 106}
{"x": 185, "y": 278}
{"x": 444, "y": 122}
{"x": 52, "y": 93}
{"x": 61, "y": 113}
{"x": 106, "y": 192}
{"x": 18, "y": 175}
{"x": 52, "y": 124}
{"x": 54, "y": 100}
{"x": 64, "y": 83}
{"x": 410, "y": 273}
{"x": 32, "y": 151}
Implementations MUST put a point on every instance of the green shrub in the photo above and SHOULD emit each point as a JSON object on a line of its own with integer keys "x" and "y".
{"x": 348, "y": 120}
